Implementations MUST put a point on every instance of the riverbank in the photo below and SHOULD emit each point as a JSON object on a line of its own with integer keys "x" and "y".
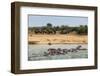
{"x": 57, "y": 39}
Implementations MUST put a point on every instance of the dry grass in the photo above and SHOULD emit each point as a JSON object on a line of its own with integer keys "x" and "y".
{"x": 58, "y": 38}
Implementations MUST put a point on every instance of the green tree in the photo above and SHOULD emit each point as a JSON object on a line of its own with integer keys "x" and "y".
{"x": 49, "y": 25}
{"x": 82, "y": 30}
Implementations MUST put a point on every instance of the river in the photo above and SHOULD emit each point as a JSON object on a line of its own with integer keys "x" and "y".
{"x": 36, "y": 52}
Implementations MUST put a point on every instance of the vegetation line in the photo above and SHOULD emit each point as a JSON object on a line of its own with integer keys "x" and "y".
{"x": 63, "y": 29}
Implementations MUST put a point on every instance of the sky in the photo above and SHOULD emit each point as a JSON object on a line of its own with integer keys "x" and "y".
{"x": 42, "y": 20}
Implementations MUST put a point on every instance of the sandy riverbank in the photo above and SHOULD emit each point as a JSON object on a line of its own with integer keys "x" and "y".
{"x": 56, "y": 39}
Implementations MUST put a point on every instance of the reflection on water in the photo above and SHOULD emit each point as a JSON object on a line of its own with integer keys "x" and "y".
{"x": 36, "y": 52}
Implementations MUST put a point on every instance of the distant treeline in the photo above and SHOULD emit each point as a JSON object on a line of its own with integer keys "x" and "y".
{"x": 63, "y": 29}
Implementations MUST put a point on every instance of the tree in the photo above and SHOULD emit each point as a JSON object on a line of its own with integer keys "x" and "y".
{"x": 64, "y": 29}
{"x": 82, "y": 30}
{"x": 86, "y": 29}
{"x": 49, "y": 25}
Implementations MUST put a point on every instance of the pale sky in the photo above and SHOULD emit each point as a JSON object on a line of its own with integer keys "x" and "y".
{"x": 42, "y": 20}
